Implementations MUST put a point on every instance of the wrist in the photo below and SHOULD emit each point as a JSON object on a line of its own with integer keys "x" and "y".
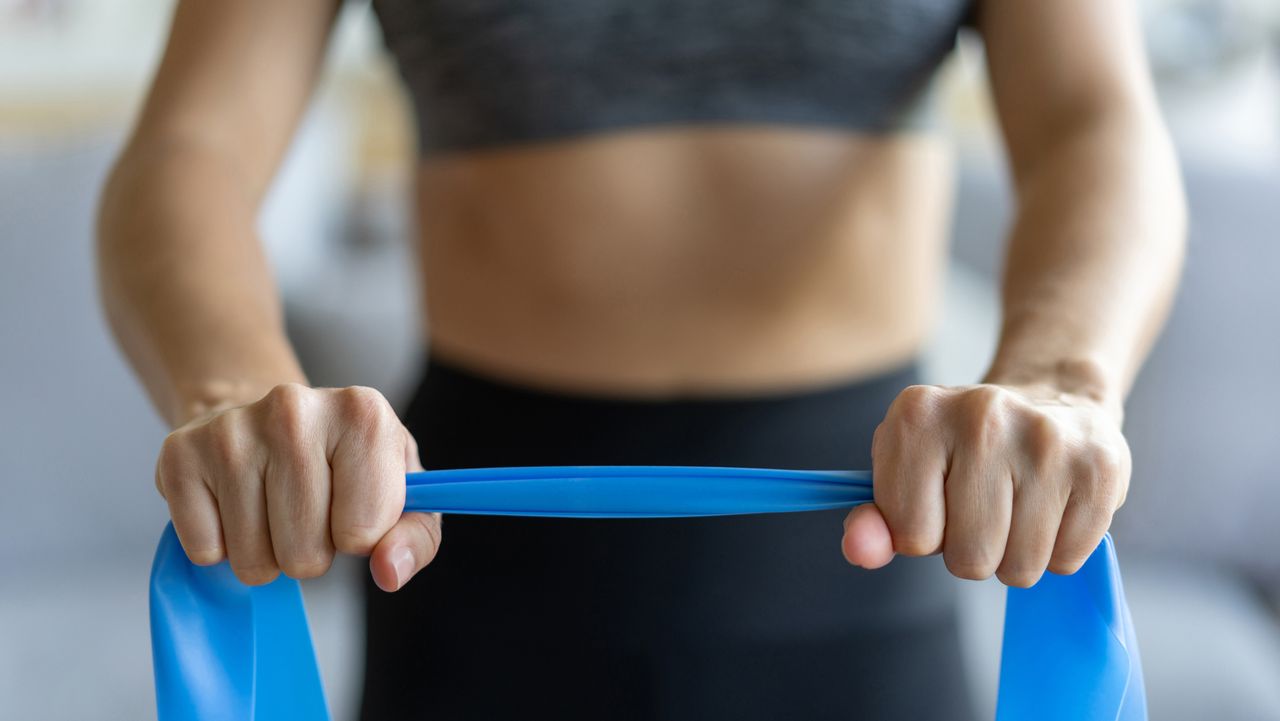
{"x": 1074, "y": 381}
{"x": 204, "y": 398}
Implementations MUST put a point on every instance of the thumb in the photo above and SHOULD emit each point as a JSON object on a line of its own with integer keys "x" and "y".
{"x": 867, "y": 542}
{"x": 411, "y": 543}
{"x": 406, "y": 549}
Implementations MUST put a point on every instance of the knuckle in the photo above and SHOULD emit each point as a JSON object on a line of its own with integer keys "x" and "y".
{"x": 285, "y": 394}
{"x": 286, "y": 416}
{"x": 172, "y": 461}
{"x": 914, "y": 545}
{"x": 207, "y": 553}
{"x": 1018, "y": 576}
{"x": 914, "y": 538}
{"x": 362, "y": 400}
{"x": 224, "y": 442}
{"x": 974, "y": 561}
{"x": 916, "y": 405}
{"x": 205, "y": 556}
{"x": 356, "y": 539}
{"x": 310, "y": 565}
{"x": 986, "y": 415}
{"x": 1104, "y": 460}
{"x": 175, "y": 445}
{"x": 968, "y": 568}
{"x": 1044, "y": 437}
{"x": 988, "y": 398}
{"x": 1066, "y": 563}
{"x": 1018, "y": 580}
{"x": 255, "y": 574}
{"x": 366, "y": 409}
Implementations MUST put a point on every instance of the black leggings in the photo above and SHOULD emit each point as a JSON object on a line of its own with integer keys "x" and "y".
{"x": 733, "y": 617}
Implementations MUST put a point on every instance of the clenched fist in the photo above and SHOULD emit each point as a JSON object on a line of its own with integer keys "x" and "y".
{"x": 999, "y": 479}
{"x": 280, "y": 484}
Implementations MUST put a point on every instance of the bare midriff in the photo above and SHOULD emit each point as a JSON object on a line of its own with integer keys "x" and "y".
{"x": 685, "y": 261}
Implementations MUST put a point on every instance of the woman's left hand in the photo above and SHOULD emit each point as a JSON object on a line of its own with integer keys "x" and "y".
{"x": 1000, "y": 479}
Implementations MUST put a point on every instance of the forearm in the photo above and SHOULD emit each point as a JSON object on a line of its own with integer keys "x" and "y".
{"x": 1093, "y": 259}
{"x": 185, "y": 285}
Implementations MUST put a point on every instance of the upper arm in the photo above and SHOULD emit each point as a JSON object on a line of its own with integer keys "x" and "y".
{"x": 1060, "y": 66}
{"x": 235, "y": 78}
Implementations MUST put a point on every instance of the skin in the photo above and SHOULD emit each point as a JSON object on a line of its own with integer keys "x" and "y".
{"x": 652, "y": 263}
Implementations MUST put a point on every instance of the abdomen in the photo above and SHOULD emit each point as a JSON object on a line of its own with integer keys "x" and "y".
{"x": 685, "y": 259}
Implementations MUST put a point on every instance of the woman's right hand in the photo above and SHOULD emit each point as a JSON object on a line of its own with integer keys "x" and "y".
{"x": 281, "y": 484}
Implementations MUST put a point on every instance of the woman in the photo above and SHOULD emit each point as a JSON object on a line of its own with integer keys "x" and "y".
{"x": 699, "y": 232}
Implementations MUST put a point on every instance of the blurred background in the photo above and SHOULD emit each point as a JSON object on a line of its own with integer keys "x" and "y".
{"x": 79, "y": 518}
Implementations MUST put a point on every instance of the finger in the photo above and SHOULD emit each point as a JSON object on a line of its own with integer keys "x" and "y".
{"x": 1037, "y": 515}
{"x": 909, "y": 461}
{"x": 368, "y": 466}
{"x": 236, "y": 479}
{"x": 979, "y": 497}
{"x": 406, "y": 549}
{"x": 298, "y": 497}
{"x": 1083, "y": 524}
{"x": 911, "y": 499}
{"x": 1100, "y": 475}
{"x": 866, "y": 541}
{"x": 192, "y": 506}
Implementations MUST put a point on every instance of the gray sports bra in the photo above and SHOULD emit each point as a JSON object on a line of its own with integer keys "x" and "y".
{"x": 485, "y": 73}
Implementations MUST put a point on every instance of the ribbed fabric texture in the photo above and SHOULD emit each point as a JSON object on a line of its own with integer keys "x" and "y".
{"x": 494, "y": 72}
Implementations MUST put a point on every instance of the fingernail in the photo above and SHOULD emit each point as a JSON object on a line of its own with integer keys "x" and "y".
{"x": 402, "y": 560}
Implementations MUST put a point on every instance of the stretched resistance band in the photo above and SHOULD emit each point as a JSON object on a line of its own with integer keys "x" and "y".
{"x": 225, "y": 651}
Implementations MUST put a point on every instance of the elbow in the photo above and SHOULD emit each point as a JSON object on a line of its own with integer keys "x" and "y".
{"x": 119, "y": 233}
{"x": 108, "y": 235}
{"x": 129, "y": 187}
{"x": 113, "y": 248}
{"x": 128, "y": 218}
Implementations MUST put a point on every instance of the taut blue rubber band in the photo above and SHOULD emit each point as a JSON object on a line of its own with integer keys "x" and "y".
{"x": 633, "y": 491}
{"x": 226, "y": 651}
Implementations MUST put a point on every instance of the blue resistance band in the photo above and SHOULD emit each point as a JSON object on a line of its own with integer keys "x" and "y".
{"x": 224, "y": 651}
